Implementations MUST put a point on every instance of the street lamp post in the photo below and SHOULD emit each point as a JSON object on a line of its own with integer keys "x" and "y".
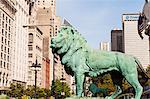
{"x": 63, "y": 81}
{"x": 35, "y": 66}
{"x": 32, "y": 25}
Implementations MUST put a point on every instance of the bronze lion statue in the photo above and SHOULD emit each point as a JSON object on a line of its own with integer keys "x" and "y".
{"x": 84, "y": 61}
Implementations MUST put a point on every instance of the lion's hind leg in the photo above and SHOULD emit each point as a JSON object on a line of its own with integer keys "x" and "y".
{"x": 133, "y": 80}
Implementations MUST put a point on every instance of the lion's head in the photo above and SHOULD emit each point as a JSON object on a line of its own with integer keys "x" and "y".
{"x": 61, "y": 43}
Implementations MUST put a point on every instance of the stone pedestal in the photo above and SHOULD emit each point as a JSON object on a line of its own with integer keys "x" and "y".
{"x": 85, "y": 98}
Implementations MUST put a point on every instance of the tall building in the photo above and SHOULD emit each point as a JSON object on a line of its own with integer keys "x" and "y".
{"x": 104, "y": 46}
{"x": 43, "y": 18}
{"x": 20, "y": 59}
{"x": 117, "y": 42}
{"x": 43, "y": 15}
{"x": 7, "y": 26}
{"x": 35, "y": 45}
{"x": 133, "y": 44}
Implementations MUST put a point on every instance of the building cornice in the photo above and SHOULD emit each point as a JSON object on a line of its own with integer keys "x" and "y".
{"x": 11, "y": 4}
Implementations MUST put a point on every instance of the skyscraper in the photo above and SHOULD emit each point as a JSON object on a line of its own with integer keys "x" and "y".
{"x": 7, "y": 26}
{"x": 20, "y": 59}
{"x": 104, "y": 46}
{"x": 43, "y": 14}
{"x": 117, "y": 41}
{"x": 133, "y": 44}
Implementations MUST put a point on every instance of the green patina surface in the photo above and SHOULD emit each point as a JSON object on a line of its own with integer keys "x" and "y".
{"x": 84, "y": 61}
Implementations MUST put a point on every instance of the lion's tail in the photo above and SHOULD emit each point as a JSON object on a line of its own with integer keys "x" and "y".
{"x": 141, "y": 70}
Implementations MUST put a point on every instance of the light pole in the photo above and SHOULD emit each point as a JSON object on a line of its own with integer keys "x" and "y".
{"x": 32, "y": 25}
{"x": 63, "y": 81}
{"x": 35, "y": 66}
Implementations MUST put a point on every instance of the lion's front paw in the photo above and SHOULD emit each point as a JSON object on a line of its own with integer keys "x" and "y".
{"x": 108, "y": 97}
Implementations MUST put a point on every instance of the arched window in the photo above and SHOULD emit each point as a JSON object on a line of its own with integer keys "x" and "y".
{"x": 30, "y": 38}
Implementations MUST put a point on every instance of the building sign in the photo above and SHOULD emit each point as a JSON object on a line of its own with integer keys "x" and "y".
{"x": 134, "y": 17}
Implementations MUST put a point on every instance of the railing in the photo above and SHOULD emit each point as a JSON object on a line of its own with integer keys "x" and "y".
{"x": 126, "y": 96}
{"x": 145, "y": 95}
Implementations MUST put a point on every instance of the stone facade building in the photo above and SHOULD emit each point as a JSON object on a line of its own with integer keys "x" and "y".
{"x": 7, "y": 21}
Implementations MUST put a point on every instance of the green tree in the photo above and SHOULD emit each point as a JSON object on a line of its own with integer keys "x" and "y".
{"x": 58, "y": 87}
{"x": 105, "y": 81}
{"x": 29, "y": 91}
{"x": 16, "y": 90}
{"x": 40, "y": 92}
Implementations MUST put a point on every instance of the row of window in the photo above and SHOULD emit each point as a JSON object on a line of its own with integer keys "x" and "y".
{"x": 5, "y": 26}
{"x": 30, "y": 48}
{"x": 30, "y": 55}
{"x": 30, "y": 38}
{"x": 5, "y": 18}
{"x": 5, "y": 49}
{"x": 6, "y": 34}
{"x": 4, "y": 65}
{"x": 3, "y": 79}
{"x": 4, "y": 56}
{"x": 4, "y": 41}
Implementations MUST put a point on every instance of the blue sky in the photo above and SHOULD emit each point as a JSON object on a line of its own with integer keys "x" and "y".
{"x": 95, "y": 19}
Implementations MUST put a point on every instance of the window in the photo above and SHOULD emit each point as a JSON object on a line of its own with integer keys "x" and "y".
{"x": 5, "y": 49}
{"x": 6, "y": 34}
{"x": 2, "y": 40}
{"x": 6, "y": 27}
{"x": 30, "y": 38}
{"x": 1, "y": 64}
{"x": 6, "y": 82}
{"x": 3, "y": 24}
{"x": 9, "y": 28}
{"x": 30, "y": 62}
{"x": 9, "y": 22}
{"x": 30, "y": 55}
{"x": 1, "y": 55}
{"x": 30, "y": 48}
{"x": 5, "y": 41}
{"x": 8, "y": 51}
{"x": 6, "y": 18}
{"x": 4, "y": 56}
{"x": 4, "y": 65}
{"x": 8, "y": 58}
{"x": 9, "y": 36}
{"x": 3, "y": 16}
{"x": 1, "y": 47}
{"x": 8, "y": 66}
{"x": 8, "y": 43}
{"x": 38, "y": 2}
{"x": 29, "y": 77}
{"x": 30, "y": 72}
{"x": 2, "y": 31}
